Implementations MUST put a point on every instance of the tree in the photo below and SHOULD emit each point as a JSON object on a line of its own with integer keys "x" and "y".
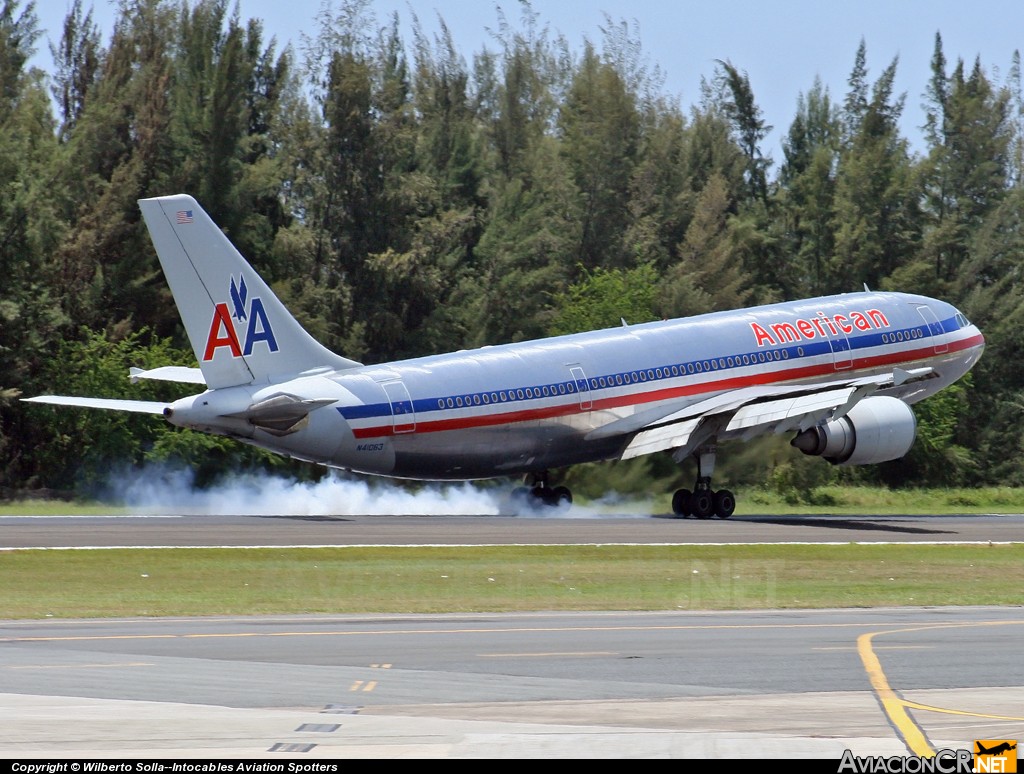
{"x": 993, "y": 298}
{"x": 736, "y": 98}
{"x": 659, "y": 208}
{"x": 806, "y": 196}
{"x": 77, "y": 58}
{"x": 709, "y": 276}
{"x": 31, "y": 319}
{"x": 526, "y": 252}
{"x": 600, "y": 132}
{"x": 968, "y": 166}
{"x": 877, "y": 223}
{"x": 606, "y": 298}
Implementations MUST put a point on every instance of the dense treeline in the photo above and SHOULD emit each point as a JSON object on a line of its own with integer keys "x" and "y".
{"x": 403, "y": 200}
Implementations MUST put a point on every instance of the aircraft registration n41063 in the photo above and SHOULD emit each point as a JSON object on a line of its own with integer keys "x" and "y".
{"x": 838, "y": 373}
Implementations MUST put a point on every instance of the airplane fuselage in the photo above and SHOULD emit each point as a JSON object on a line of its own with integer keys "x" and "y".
{"x": 516, "y": 408}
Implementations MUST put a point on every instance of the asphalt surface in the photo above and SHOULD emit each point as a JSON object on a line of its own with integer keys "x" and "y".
{"x": 304, "y": 530}
{"x": 765, "y": 684}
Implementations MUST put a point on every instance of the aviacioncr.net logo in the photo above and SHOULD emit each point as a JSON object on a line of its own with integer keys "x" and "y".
{"x": 998, "y": 756}
{"x": 943, "y": 762}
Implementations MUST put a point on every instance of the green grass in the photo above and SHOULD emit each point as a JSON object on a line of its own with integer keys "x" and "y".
{"x": 881, "y": 501}
{"x": 200, "y": 581}
{"x": 214, "y": 581}
{"x": 34, "y": 507}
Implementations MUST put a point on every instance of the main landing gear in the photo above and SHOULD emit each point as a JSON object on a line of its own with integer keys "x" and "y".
{"x": 537, "y": 492}
{"x": 704, "y": 502}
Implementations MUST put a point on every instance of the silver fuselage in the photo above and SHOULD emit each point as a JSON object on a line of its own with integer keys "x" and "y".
{"x": 532, "y": 406}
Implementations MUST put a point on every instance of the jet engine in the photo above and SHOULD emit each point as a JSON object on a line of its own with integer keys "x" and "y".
{"x": 875, "y": 430}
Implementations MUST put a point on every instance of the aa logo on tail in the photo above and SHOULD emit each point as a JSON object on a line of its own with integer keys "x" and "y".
{"x": 244, "y": 313}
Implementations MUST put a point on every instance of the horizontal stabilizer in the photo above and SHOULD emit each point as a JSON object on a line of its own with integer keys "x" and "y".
{"x": 182, "y": 374}
{"x": 114, "y": 404}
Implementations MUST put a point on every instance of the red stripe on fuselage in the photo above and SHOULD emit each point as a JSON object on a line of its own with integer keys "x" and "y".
{"x": 668, "y": 393}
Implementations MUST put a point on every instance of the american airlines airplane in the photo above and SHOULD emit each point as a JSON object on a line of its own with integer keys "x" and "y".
{"x": 838, "y": 373}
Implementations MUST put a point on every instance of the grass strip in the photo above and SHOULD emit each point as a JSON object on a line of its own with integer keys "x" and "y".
{"x": 223, "y": 581}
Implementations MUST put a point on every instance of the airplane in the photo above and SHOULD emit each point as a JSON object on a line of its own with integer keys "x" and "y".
{"x": 998, "y": 749}
{"x": 839, "y": 373}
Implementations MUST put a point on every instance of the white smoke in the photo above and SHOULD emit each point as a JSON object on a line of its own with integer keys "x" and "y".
{"x": 159, "y": 490}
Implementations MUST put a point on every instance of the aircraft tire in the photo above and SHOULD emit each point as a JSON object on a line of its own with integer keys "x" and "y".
{"x": 702, "y": 504}
{"x": 681, "y": 503}
{"x": 542, "y": 495}
{"x": 561, "y": 495}
{"x": 724, "y": 503}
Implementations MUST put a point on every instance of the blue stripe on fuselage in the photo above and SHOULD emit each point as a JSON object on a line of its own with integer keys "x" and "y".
{"x": 717, "y": 364}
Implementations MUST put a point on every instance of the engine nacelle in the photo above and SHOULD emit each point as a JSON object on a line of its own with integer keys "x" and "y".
{"x": 874, "y": 430}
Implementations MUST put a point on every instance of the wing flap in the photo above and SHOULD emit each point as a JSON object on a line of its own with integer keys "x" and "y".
{"x": 775, "y": 412}
{"x": 749, "y": 412}
{"x": 661, "y": 438}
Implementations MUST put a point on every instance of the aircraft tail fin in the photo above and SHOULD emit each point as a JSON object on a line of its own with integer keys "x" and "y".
{"x": 240, "y": 331}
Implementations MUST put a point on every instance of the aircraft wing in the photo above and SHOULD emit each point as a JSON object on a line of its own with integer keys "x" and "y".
{"x": 753, "y": 411}
{"x": 115, "y": 404}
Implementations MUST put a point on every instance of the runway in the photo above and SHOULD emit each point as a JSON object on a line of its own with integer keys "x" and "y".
{"x": 673, "y": 684}
{"x": 171, "y": 529}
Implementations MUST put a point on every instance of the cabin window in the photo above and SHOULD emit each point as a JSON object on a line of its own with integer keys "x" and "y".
{"x": 785, "y": 354}
{"x": 561, "y": 389}
{"x": 458, "y": 401}
{"x": 519, "y": 394}
{"x": 650, "y": 374}
{"x": 476, "y": 400}
{"x": 571, "y": 387}
{"x": 618, "y": 379}
{"x": 440, "y": 403}
{"x": 487, "y": 398}
{"x": 689, "y": 368}
{"x": 451, "y": 403}
{"x": 731, "y": 362}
